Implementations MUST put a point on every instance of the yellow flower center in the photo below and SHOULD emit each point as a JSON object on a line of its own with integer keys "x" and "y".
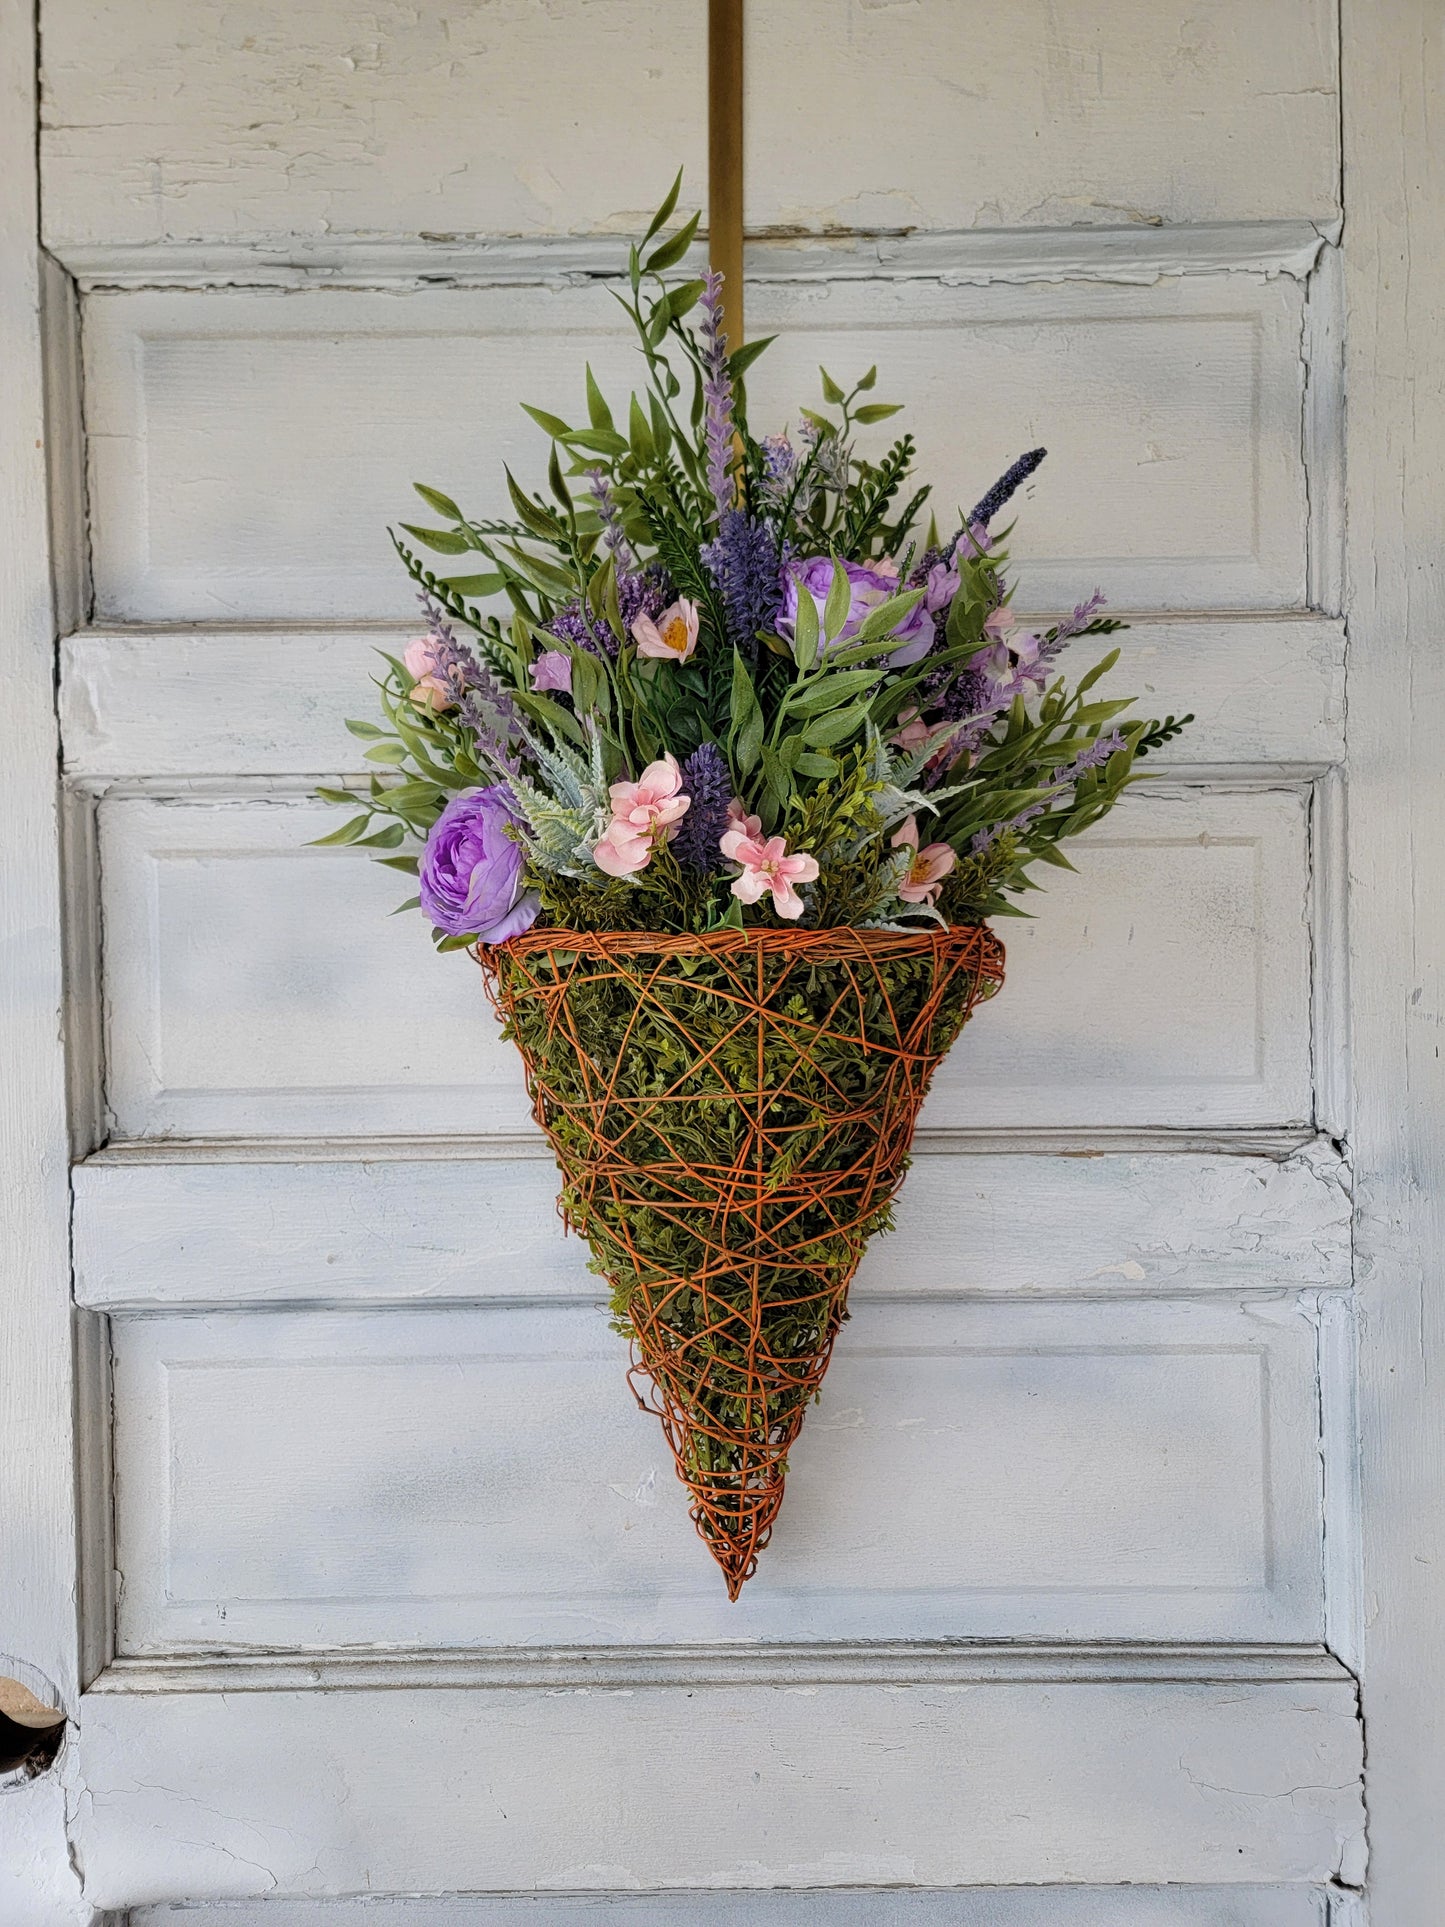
{"x": 674, "y": 636}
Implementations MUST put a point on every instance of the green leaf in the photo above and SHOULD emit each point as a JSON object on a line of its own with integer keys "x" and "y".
{"x": 1091, "y": 676}
{"x": 742, "y": 698}
{"x": 885, "y": 618}
{"x": 820, "y": 766}
{"x": 876, "y": 411}
{"x": 1051, "y": 853}
{"x": 556, "y": 484}
{"x": 865, "y": 382}
{"x": 348, "y": 832}
{"x": 540, "y": 521}
{"x": 747, "y": 719}
{"x": 669, "y": 202}
{"x": 392, "y": 754}
{"x": 830, "y": 691}
{"x": 347, "y": 797}
{"x": 673, "y": 249}
{"x": 552, "y": 424}
{"x": 443, "y": 504}
{"x": 741, "y": 359}
{"x": 476, "y": 585}
{"x": 683, "y": 298}
{"x": 444, "y": 541}
{"x": 546, "y": 576}
{"x": 408, "y": 864}
{"x": 835, "y": 609}
{"x": 656, "y": 329}
{"x": 411, "y": 903}
{"x": 368, "y": 732}
{"x": 603, "y": 441}
{"x": 598, "y": 413}
{"x": 806, "y": 633}
{"x": 836, "y": 727}
{"x": 384, "y": 839}
{"x": 832, "y": 393}
{"x": 639, "y": 434}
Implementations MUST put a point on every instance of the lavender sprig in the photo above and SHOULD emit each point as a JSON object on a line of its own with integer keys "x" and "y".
{"x": 574, "y": 622}
{"x": 611, "y": 519}
{"x": 1083, "y": 615}
{"x": 1097, "y": 753}
{"x": 745, "y": 561}
{"x": 451, "y": 660}
{"x": 483, "y": 705}
{"x": 707, "y": 782}
{"x": 1007, "y": 484}
{"x": 718, "y": 425}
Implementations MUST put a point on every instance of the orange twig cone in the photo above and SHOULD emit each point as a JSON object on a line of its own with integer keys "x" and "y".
{"x": 732, "y": 1116}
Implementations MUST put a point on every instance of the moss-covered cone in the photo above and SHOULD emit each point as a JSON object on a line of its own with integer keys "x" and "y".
{"x": 732, "y": 1116}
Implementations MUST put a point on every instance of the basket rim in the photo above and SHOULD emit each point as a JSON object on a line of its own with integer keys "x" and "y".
{"x": 839, "y": 941}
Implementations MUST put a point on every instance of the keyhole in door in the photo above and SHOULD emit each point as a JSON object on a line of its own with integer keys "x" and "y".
{"x": 30, "y": 1730}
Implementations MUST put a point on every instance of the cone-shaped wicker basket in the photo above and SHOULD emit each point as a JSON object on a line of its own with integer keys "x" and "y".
{"x": 732, "y": 1115}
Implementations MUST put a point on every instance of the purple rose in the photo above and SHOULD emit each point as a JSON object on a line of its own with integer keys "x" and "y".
{"x": 471, "y": 870}
{"x": 867, "y": 588}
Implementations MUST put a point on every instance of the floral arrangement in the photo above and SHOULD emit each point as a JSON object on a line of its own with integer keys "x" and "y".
{"x": 735, "y": 729}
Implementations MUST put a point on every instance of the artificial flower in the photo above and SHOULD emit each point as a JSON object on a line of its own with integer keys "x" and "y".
{"x": 553, "y": 670}
{"x": 643, "y": 811}
{"x": 912, "y": 732}
{"x": 927, "y": 867}
{"x": 766, "y": 866}
{"x": 672, "y": 636}
{"x": 867, "y": 586}
{"x": 423, "y": 659}
{"x": 471, "y": 869}
{"x": 738, "y": 819}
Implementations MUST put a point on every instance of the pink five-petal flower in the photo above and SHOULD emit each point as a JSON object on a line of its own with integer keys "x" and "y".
{"x": 672, "y": 637}
{"x": 619, "y": 854}
{"x": 651, "y": 807}
{"x": 927, "y": 868}
{"x": 767, "y": 866}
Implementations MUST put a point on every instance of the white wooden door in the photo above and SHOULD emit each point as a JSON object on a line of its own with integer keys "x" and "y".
{"x": 382, "y": 1585}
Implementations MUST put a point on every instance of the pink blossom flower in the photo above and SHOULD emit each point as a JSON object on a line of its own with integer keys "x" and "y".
{"x": 431, "y": 690}
{"x": 553, "y": 670}
{"x": 431, "y": 693}
{"x": 643, "y": 811}
{"x": 738, "y": 819}
{"x": 767, "y": 866}
{"x": 672, "y": 637}
{"x": 913, "y": 733}
{"x": 928, "y": 866}
{"x": 420, "y": 657}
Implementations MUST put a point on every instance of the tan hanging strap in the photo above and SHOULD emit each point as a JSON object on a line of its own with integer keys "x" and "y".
{"x": 725, "y": 156}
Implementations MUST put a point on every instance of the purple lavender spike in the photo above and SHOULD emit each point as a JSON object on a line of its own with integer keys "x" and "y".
{"x": 707, "y": 782}
{"x": 1006, "y": 485}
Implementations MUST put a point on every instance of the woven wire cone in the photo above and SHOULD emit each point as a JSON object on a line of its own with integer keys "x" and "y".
{"x": 732, "y": 1116}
